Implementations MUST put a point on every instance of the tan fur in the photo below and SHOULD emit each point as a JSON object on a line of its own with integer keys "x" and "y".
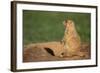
{"x": 71, "y": 40}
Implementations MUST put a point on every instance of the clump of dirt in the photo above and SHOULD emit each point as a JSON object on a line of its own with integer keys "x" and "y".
{"x": 48, "y": 52}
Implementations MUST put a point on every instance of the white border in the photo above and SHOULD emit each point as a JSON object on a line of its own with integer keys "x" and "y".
{"x": 21, "y": 65}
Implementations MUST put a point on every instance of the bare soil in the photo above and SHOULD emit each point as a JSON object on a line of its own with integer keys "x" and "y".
{"x": 46, "y": 52}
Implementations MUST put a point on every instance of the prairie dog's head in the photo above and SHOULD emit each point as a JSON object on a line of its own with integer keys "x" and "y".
{"x": 69, "y": 25}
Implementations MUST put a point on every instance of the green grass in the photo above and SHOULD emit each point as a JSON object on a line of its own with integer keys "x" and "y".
{"x": 43, "y": 26}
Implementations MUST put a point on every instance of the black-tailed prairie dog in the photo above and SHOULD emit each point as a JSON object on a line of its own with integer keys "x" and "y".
{"x": 71, "y": 40}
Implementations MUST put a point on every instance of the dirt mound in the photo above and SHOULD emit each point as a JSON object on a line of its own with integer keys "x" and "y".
{"x": 49, "y": 52}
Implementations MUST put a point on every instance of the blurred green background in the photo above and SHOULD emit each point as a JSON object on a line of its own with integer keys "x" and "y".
{"x": 44, "y": 26}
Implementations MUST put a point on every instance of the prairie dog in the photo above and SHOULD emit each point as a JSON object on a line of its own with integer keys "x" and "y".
{"x": 71, "y": 40}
